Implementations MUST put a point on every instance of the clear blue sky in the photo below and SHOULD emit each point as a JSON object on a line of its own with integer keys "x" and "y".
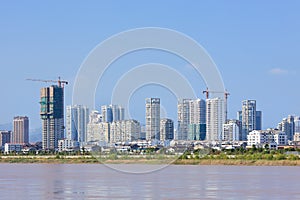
{"x": 255, "y": 45}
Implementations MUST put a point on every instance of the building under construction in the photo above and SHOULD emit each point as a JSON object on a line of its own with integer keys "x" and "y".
{"x": 52, "y": 115}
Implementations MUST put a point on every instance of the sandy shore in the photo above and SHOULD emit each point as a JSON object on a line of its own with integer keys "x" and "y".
{"x": 91, "y": 159}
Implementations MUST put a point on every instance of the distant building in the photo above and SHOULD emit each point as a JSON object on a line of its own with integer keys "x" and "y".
{"x": 251, "y": 118}
{"x": 152, "y": 119}
{"x": 197, "y": 132}
{"x": 68, "y": 145}
{"x": 239, "y": 116}
{"x": 112, "y": 113}
{"x": 5, "y": 137}
{"x": 124, "y": 131}
{"x": 183, "y": 115}
{"x": 143, "y": 132}
{"x": 248, "y": 117}
{"x": 95, "y": 117}
{"x": 77, "y": 118}
{"x": 21, "y": 130}
{"x": 52, "y": 115}
{"x": 231, "y": 131}
{"x": 297, "y": 124}
{"x": 260, "y": 138}
{"x": 13, "y": 148}
{"x": 287, "y": 125}
{"x": 297, "y": 137}
{"x": 106, "y": 112}
{"x": 166, "y": 129}
{"x": 215, "y": 118}
{"x": 118, "y": 113}
{"x": 98, "y": 132}
{"x": 197, "y": 111}
{"x": 258, "y": 118}
{"x": 197, "y": 120}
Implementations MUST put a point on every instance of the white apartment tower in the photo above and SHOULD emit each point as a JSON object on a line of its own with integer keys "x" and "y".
{"x": 197, "y": 114}
{"x": 183, "y": 112}
{"x": 111, "y": 113}
{"x": 98, "y": 132}
{"x": 197, "y": 117}
{"x": 248, "y": 117}
{"x": 95, "y": 117}
{"x": 231, "y": 131}
{"x": 166, "y": 129}
{"x": 287, "y": 125}
{"x": 124, "y": 131}
{"x": 152, "y": 119}
{"x": 215, "y": 118}
{"x": 297, "y": 124}
{"x": 77, "y": 118}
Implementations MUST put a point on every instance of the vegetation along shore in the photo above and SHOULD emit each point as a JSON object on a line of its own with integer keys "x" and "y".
{"x": 240, "y": 157}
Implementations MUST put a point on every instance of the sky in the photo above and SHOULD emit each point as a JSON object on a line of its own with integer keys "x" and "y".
{"x": 255, "y": 45}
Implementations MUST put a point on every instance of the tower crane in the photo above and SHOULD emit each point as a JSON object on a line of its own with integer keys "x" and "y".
{"x": 59, "y": 82}
{"x": 226, "y": 94}
{"x": 207, "y": 92}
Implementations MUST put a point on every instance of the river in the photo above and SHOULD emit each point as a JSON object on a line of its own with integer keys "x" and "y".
{"x": 96, "y": 181}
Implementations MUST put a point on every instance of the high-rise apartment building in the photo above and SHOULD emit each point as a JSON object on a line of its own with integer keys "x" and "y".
{"x": 98, "y": 132}
{"x": 197, "y": 111}
{"x": 77, "y": 118}
{"x": 95, "y": 117}
{"x": 183, "y": 114}
{"x": 248, "y": 117}
{"x": 258, "y": 118}
{"x": 297, "y": 124}
{"x": 152, "y": 119}
{"x": 231, "y": 131}
{"x": 124, "y": 131}
{"x": 106, "y": 112}
{"x": 20, "y": 130}
{"x": 52, "y": 115}
{"x": 5, "y": 137}
{"x": 112, "y": 113}
{"x": 287, "y": 125}
{"x": 215, "y": 118}
{"x": 166, "y": 129}
{"x": 239, "y": 115}
{"x": 197, "y": 120}
{"x": 118, "y": 113}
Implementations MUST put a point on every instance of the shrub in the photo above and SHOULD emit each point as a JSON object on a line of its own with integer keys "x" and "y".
{"x": 280, "y": 157}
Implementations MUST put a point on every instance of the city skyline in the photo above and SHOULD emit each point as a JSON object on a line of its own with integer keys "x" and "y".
{"x": 79, "y": 118}
{"x": 149, "y": 99}
{"x": 255, "y": 53}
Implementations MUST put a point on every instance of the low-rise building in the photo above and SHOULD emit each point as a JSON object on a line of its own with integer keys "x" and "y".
{"x": 68, "y": 145}
{"x": 13, "y": 148}
{"x": 270, "y": 136}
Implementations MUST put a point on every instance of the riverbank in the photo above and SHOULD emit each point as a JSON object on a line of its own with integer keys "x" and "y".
{"x": 127, "y": 160}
